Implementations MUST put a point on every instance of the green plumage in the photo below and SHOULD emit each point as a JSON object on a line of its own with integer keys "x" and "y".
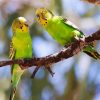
{"x": 21, "y": 47}
{"x": 62, "y": 30}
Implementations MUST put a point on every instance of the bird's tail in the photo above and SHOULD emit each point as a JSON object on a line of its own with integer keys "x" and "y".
{"x": 13, "y": 91}
{"x": 90, "y": 50}
{"x": 16, "y": 75}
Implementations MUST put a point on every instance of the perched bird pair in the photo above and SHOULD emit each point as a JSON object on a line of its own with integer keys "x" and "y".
{"x": 62, "y": 30}
{"x": 20, "y": 47}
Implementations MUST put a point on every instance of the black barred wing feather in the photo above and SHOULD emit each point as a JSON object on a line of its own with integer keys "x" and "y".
{"x": 12, "y": 54}
{"x": 12, "y": 51}
{"x": 69, "y": 23}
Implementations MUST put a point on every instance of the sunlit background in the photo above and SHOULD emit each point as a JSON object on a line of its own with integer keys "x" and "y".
{"x": 77, "y": 78}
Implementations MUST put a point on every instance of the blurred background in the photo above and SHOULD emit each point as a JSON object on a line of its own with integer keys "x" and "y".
{"x": 77, "y": 78}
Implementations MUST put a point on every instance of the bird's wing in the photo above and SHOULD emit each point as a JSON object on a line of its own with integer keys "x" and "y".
{"x": 12, "y": 53}
{"x": 70, "y": 24}
{"x": 66, "y": 21}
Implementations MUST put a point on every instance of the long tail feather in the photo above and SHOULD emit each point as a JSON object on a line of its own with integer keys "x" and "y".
{"x": 13, "y": 91}
{"x": 90, "y": 50}
{"x": 16, "y": 75}
{"x": 94, "y": 54}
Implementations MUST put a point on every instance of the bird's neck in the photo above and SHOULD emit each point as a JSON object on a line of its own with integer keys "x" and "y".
{"x": 52, "y": 22}
{"x": 21, "y": 34}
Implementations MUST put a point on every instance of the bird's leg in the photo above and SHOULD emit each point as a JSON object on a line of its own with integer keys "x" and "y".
{"x": 22, "y": 67}
{"x": 34, "y": 72}
{"x": 81, "y": 39}
{"x": 67, "y": 45}
{"x": 49, "y": 70}
{"x": 23, "y": 64}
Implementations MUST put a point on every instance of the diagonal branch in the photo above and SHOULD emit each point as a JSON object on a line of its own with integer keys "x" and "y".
{"x": 97, "y": 2}
{"x": 68, "y": 52}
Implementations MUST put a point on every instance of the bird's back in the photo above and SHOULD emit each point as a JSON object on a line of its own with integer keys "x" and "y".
{"x": 60, "y": 31}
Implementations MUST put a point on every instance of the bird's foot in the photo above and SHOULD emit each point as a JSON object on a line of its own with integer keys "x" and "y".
{"x": 22, "y": 67}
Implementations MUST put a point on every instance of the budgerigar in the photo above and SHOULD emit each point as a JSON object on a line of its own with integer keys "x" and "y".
{"x": 62, "y": 30}
{"x": 21, "y": 47}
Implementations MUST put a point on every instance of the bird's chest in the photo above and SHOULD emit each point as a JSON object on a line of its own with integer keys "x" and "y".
{"x": 23, "y": 47}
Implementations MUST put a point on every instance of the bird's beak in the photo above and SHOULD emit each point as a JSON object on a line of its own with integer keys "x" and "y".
{"x": 38, "y": 17}
{"x": 26, "y": 24}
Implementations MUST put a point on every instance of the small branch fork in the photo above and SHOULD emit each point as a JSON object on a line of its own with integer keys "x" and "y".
{"x": 46, "y": 61}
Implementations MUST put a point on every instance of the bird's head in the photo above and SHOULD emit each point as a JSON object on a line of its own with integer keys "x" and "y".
{"x": 20, "y": 25}
{"x": 43, "y": 15}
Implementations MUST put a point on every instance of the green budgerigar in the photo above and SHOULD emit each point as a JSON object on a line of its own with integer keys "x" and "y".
{"x": 62, "y": 30}
{"x": 21, "y": 47}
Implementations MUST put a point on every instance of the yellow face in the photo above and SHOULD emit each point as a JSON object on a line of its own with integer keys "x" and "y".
{"x": 43, "y": 15}
{"x": 20, "y": 25}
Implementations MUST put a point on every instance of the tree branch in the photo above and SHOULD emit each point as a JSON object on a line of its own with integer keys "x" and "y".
{"x": 68, "y": 52}
{"x": 97, "y": 2}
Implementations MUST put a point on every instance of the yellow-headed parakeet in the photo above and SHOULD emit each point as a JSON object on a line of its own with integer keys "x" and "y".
{"x": 62, "y": 30}
{"x": 21, "y": 47}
